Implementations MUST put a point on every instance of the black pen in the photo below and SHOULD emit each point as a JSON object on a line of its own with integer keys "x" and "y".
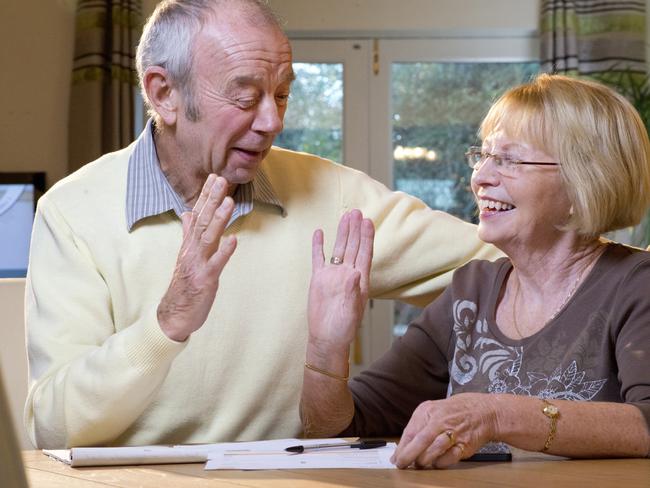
{"x": 369, "y": 444}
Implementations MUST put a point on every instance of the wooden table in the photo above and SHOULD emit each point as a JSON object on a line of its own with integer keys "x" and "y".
{"x": 527, "y": 470}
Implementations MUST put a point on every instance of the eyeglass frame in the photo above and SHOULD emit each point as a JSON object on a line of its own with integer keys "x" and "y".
{"x": 498, "y": 160}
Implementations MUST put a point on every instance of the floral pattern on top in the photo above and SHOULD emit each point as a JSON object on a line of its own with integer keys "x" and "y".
{"x": 479, "y": 357}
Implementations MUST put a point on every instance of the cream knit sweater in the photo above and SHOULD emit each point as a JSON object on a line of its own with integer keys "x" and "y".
{"x": 101, "y": 370}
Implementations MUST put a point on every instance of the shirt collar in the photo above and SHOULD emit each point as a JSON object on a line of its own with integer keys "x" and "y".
{"x": 148, "y": 193}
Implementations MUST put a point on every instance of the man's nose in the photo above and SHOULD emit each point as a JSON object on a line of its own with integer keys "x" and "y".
{"x": 269, "y": 117}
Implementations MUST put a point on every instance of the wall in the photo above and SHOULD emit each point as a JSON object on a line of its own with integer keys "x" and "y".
{"x": 35, "y": 61}
{"x": 336, "y": 18}
{"x": 410, "y": 18}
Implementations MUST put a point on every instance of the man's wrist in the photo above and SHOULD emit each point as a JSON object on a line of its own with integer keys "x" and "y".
{"x": 169, "y": 330}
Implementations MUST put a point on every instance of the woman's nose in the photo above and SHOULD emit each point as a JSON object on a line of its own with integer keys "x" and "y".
{"x": 485, "y": 173}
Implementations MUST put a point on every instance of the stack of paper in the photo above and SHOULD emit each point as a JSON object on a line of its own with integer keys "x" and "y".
{"x": 254, "y": 456}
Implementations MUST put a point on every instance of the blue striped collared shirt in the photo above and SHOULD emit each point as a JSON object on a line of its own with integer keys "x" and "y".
{"x": 148, "y": 192}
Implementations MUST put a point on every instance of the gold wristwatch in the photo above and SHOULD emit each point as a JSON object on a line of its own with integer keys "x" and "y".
{"x": 553, "y": 413}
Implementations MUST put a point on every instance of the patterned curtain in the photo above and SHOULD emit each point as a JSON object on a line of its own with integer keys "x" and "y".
{"x": 102, "y": 103}
{"x": 604, "y": 41}
{"x": 595, "y": 38}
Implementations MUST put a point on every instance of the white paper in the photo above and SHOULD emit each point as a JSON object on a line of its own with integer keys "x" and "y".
{"x": 343, "y": 457}
{"x": 62, "y": 455}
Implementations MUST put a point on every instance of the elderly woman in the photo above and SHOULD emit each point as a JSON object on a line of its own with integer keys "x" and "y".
{"x": 546, "y": 350}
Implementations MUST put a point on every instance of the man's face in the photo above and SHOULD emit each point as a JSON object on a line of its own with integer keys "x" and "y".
{"x": 242, "y": 75}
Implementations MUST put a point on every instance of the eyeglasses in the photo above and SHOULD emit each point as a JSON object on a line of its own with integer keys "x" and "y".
{"x": 505, "y": 166}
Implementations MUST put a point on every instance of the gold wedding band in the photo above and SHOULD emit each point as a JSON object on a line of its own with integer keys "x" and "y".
{"x": 452, "y": 437}
{"x": 336, "y": 260}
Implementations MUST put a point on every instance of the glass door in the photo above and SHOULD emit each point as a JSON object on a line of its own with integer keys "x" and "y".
{"x": 403, "y": 111}
{"x": 328, "y": 108}
{"x": 430, "y": 96}
{"x": 327, "y": 115}
{"x": 314, "y": 118}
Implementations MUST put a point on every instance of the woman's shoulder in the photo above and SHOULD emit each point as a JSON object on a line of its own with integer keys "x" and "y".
{"x": 622, "y": 259}
{"x": 619, "y": 278}
{"x": 481, "y": 271}
{"x": 473, "y": 281}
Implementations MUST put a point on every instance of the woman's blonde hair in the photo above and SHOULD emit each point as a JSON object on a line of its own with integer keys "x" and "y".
{"x": 598, "y": 138}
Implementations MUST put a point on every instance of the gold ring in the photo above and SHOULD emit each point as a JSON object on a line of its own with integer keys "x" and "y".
{"x": 336, "y": 260}
{"x": 452, "y": 437}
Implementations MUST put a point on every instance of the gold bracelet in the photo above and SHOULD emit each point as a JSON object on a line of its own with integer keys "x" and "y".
{"x": 327, "y": 373}
{"x": 553, "y": 413}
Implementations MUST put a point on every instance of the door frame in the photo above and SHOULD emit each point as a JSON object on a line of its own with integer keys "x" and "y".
{"x": 367, "y": 121}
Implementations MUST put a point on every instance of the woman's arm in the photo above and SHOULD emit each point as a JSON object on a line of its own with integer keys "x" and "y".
{"x": 443, "y": 432}
{"x": 338, "y": 293}
{"x": 326, "y": 406}
{"x": 584, "y": 429}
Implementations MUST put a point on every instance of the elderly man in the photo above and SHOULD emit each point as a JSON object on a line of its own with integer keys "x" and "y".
{"x": 145, "y": 324}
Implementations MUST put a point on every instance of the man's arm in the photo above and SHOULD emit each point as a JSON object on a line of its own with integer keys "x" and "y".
{"x": 89, "y": 383}
{"x": 416, "y": 249}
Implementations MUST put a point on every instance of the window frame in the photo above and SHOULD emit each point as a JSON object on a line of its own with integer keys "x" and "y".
{"x": 367, "y": 121}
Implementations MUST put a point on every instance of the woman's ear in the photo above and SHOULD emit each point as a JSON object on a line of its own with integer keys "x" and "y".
{"x": 163, "y": 96}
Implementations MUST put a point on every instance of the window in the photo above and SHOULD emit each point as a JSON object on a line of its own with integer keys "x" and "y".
{"x": 436, "y": 111}
{"x": 314, "y": 119}
{"x": 409, "y": 109}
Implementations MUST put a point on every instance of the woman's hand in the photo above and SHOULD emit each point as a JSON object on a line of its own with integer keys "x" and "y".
{"x": 442, "y": 432}
{"x": 338, "y": 292}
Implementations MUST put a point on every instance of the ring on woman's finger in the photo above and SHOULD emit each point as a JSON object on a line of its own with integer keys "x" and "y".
{"x": 336, "y": 260}
{"x": 451, "y": 436}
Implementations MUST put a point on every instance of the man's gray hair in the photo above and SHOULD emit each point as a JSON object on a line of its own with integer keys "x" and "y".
{"x": 168, "y": 38}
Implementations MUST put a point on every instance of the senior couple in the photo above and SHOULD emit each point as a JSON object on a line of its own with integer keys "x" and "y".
{"x": 167, "y": 290}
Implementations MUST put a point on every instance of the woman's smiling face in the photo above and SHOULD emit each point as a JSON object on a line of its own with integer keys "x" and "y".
{"x": 525, "y": 209}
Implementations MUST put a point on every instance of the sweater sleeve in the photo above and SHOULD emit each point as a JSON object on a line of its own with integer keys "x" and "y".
{"x": 416, "y": 248}
{"x": 414, "y": 369}
{"x": 88, "y": 383}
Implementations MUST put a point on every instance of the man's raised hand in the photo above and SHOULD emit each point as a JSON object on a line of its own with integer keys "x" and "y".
{"x": 201, "y": 259}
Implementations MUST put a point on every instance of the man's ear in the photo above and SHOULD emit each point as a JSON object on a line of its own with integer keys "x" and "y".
{"x": 163, "y": 97}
